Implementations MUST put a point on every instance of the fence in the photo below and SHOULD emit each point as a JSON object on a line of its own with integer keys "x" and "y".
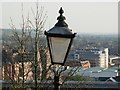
{"x": 71, "y": 85}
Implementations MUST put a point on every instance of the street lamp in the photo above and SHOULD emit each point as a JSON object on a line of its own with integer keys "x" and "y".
{"x": 59, "y": 39}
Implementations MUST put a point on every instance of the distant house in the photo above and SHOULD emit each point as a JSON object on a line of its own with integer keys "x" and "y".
{"x": 85, "y": 64}
{"x": 114, "y": 61}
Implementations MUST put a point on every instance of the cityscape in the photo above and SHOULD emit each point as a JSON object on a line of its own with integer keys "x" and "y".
{"x": 33, "y": 58}
{"x": 90, "y": 60}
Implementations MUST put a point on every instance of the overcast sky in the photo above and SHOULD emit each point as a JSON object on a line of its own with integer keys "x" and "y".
{"x": 82, "y": 17}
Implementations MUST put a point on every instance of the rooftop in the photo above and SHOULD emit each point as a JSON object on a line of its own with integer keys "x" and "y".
{"x": 95, "y": 72}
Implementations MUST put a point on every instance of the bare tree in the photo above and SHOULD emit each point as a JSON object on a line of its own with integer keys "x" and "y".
{"x": 40, "y": 48}
{"x": 22, "y": 40}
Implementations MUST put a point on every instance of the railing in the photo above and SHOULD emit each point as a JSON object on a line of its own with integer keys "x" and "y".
{"x": 92, "y": 84}
{"x": 72, "y": 85}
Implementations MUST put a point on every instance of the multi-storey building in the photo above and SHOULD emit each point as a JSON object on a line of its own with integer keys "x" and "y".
{"x": 96, "y": 57}
{"x": 12, "y": 65}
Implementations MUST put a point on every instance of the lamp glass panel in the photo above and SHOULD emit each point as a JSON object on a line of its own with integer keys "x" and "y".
{"x": 59, "y": 47}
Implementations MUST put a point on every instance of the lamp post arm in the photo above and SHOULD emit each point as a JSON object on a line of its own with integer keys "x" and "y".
{"x": 63, "y": 70}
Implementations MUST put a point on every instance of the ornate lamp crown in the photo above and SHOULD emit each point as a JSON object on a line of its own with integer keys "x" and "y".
{"x": 61, "y": 18}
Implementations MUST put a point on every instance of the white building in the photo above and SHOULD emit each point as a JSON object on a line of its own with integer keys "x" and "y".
{"x": 103, "y": 59}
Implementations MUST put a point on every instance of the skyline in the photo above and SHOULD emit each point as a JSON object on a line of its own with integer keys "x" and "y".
{"x": 91, "y": 17}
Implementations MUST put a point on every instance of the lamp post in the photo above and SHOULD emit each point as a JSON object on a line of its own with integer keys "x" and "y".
{"x": 59, "y": 39}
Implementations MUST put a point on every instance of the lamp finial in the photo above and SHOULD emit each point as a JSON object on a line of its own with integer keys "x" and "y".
{"x": 61, "y": 18}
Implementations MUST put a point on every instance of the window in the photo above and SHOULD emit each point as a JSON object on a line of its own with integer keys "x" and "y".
{"x": 76, "y": 56}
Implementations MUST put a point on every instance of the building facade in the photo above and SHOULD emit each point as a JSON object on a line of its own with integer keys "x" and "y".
{"x": 96, "y": 57}
{"x": 12, "y": 66}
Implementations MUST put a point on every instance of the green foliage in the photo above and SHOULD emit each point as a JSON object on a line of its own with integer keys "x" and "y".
{"x": 76, "y": 78}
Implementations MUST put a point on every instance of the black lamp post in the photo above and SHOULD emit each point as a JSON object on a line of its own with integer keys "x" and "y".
{"x": 59, "y": 39}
